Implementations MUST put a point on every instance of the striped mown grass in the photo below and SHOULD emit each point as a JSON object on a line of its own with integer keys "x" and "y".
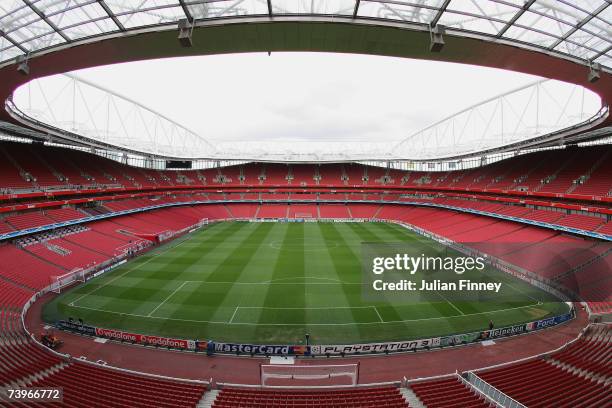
{"x": 274, "y": 282}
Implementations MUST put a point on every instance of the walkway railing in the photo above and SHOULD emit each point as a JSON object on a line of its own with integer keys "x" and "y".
{"x": 493, "y": 393}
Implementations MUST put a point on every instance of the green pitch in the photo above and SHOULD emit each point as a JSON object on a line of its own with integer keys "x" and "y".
{"x": 274, "y": 282}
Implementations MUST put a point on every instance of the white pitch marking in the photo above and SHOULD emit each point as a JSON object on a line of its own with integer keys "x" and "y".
{"x": 333, "y": 282}
{"x": 306, "y": 308}
{"x": 302, "y": 324}
{"x": 305, "y": 278}
{"x": 166, "y": 299}
{"x": 234, "y": 315}
{"x": 450, "y": 303}
{"x": 523, "y": 292}
{"x": 280, "y": 281}
{"x": 376, "y": 310}
{"x": 126, "y": 272}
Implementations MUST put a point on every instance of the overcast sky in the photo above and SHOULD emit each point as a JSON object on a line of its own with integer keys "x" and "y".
{"x": 304, "y": 96}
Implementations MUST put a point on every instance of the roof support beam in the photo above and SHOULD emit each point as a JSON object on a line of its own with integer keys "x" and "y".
{"x": 515, "y": 17}
{"x": 578, "y": 26}
{"x": 438, "y": 15}
{"x": 269, "y": 7}
{"x": 111, "y": 15}
{"x": 15, "y": 43}
{"x": 44, "y": 18}
{"x": 186, "y": 10}
{"x": 602, "y": 52}
{"x": 356, "y": 10}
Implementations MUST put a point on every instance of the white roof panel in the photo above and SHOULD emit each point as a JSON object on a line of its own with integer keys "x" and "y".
{"x": 580, "y": 29}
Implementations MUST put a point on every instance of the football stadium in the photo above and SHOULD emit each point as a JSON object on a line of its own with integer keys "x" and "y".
{"x": 290, "y": 203}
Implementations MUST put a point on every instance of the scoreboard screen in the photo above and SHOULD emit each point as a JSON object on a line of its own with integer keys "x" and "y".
{"x": 178, "y": 164}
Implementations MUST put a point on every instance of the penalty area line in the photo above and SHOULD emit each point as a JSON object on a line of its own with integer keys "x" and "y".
{"x": 153, "y": 256}
{"x": 234, "y": 315}
{"x": 450, "y": 303}
{"x": 166, "y": 299}
{"x": 523, "y": 292}
{"x": 378, "y": 314}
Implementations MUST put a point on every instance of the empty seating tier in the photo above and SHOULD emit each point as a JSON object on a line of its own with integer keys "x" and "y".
{"x": 574, "y": 171}
{"x": 448, "y": 393}
{"x": 389, "y": 397}
{"x": 541, "y": 383}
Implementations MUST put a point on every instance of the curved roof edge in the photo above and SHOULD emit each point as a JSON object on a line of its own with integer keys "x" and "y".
{"x": 299, "y": 33}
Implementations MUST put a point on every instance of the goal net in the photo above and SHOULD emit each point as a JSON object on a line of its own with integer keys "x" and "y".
{"x": 273, "y": 375}
{"x": 60, "y": 281}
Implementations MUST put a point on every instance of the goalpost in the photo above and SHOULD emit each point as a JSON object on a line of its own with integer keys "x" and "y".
{"x": 281, "y": 375}
{"x": 60, "y": 281}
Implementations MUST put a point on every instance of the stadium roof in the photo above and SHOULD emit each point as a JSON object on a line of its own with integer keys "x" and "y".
{"x": 79, "y": 109}
{"x": 559, "y": 39}
{"x": 580, "y": 29}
